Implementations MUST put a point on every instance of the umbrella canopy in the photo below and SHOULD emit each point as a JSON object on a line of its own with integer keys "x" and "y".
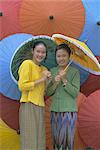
{"x": 8, "y": 47}
{"x": 9, "y": 112}
{"x": 81, "y": 54}
{"x": 9, "y": 23}
{"x": 47, "y": 17}
{"x": 83, "y": 73}
{"x": 24, "y": 51}
{"x": 78, "y": 143}
{"x": 92, "y": 28}
{"x": 92, "y": 84}
{"x": 89, "y": 121}
{"x": 81, "y": 98}
{"x": 9, "y": 139}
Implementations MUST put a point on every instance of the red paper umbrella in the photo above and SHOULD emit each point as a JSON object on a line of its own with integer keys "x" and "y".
{"x": 92, "y": 84}
{"x": 80, "y": 100}
{"x": 9, "y": 24}
{"x": 48, "y": 17}
{"x": 78, "y": 144}
{"x": 89, "y": 121}
{"x": 9, "y": 112}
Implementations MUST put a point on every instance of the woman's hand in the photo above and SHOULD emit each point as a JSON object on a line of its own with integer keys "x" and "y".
{"x": 62, "y": 74}
{"x": 47, "y": 74}
{"x": 57, "y": 79}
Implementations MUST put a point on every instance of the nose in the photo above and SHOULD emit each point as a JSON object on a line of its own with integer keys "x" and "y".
{"x": 61, "y": 58}
{"x": 41, "y": 54}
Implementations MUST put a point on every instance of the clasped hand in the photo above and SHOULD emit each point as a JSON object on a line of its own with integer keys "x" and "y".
{"x": 47, "y": 74}
{"x": 61, "y": 77}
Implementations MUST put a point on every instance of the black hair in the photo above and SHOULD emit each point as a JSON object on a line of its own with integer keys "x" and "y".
{"x": 38, "y": 43}
{"x": 65, "y": 47}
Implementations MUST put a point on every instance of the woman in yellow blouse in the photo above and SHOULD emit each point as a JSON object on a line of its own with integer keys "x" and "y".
{"x": 32, "y": 82}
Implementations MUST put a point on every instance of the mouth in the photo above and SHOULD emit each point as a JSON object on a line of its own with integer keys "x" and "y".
{"x": 61, "y": 62}
{"x": 40, "y": 58}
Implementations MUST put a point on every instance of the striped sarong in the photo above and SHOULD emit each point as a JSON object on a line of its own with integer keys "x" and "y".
{"x": 32, "y": 127}
{"x": 63, "y": 129}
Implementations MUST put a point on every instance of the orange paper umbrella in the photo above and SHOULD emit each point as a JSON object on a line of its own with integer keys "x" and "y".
{"x": 89, "y": 121}
{"x": 47, "y": 17}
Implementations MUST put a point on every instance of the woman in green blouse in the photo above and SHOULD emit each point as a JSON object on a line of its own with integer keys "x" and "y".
{"x": 63, "y": 88}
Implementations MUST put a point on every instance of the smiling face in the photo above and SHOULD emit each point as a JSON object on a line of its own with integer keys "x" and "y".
{"x": 39, "y": 53}
{"x": 62, "y": 57}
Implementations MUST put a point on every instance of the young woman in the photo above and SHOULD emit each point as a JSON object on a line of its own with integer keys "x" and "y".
{"x": 32, "y": 78}
{"x": 64, "y": 89}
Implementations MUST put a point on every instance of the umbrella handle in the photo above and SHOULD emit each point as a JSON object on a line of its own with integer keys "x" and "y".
{"x": 68, "y": 65}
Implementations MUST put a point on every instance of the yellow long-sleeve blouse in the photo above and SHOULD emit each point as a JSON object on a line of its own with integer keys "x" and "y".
{"x": 28, "y": 73}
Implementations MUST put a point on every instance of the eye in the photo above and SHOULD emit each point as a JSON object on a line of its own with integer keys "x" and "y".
{"x": 38, "y": 51}
{"x": 43, "y": 52}
{"x": 58, "y": 56}
{"x": 64, "y": 55}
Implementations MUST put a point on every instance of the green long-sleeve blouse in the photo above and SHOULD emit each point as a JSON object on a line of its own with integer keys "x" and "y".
{"x": 64, "y": 97}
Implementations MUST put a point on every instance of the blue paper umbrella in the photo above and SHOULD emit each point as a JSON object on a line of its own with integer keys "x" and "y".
{"x": 8, "y": 47}
{"x": 83, "y": 73}
{"x": 91, "y": 31}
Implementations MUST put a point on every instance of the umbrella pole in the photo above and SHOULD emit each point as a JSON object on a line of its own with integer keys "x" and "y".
{"x": 68, "y": 65}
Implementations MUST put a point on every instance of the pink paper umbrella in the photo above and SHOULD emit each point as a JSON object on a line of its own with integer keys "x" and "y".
{"x": 9, "y": 23}
{"x": 89, "y": 121}
{"x": 9, "y": 112}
